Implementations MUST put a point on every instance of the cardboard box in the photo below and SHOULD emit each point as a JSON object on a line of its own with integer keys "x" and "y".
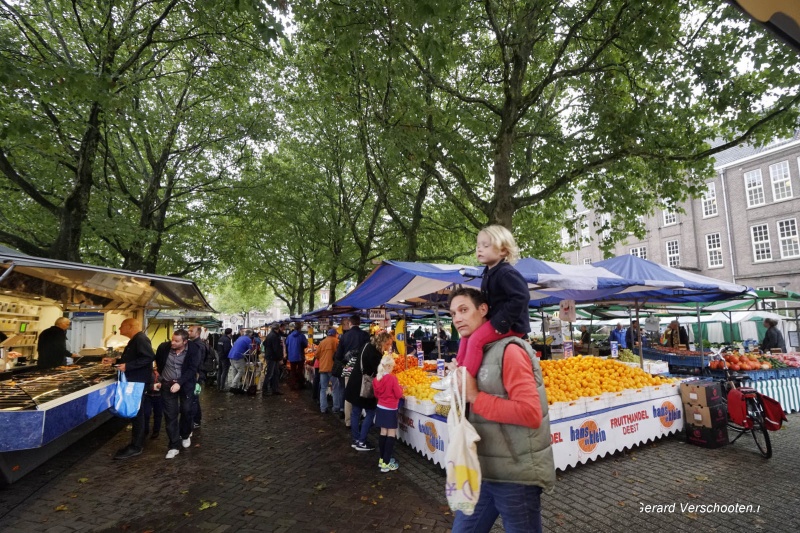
{"x": 707, "y": 437}
{"x": 709, "y": 417}
{"x": 702, "y": 392}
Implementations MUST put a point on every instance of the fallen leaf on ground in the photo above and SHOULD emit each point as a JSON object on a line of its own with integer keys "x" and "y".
{"x": 83, "y": 480}
{"x": 62, "y": 507}
{"x": 320, "y": 486}
{"x": 693, "y": 516}
{"x": 249, "y": 478}
{"x": 380, "y": 496}
{"x": 621, "y": 503}
{"x": 206, "y": 505}
{"x": 184, "y": 492}
{"x": 406, "y": 526}
{"x": 701, "y": 478}
{"x": 249, "y": 511}
{"x": 693, "y": 495}
{"x": 187, "y": 513}
{"x": 364, "y": 498}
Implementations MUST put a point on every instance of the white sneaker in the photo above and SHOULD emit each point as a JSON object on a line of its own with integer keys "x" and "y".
{"x": 172, "y": 453}
{"x": 186, "y": 442}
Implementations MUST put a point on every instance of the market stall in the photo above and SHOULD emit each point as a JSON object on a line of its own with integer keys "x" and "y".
{"x": 596, "y": 421}
{"x": 43, "y": 410}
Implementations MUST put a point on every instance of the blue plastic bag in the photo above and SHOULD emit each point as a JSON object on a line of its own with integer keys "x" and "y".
{"x": 127, "y": 398}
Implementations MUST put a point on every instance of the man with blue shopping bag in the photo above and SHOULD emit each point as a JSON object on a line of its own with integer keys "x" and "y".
{"x": 137, "y": 365}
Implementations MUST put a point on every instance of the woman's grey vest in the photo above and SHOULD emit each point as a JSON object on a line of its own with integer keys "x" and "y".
{"x": 510, "y": 453}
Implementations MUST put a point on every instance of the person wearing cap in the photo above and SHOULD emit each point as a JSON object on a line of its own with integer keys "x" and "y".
{"x": 324, "y": 355}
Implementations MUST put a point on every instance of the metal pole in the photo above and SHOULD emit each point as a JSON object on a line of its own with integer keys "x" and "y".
{"x": 639, "y": 337}
{"x": 438, "y": 327}
{"x": 699, "y": 339}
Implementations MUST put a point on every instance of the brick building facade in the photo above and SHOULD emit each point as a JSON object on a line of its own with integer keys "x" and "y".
{"x": 745, "y": 228}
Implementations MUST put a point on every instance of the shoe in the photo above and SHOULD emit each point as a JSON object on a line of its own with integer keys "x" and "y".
{"x": 128, "y": 452}
{"x": 354, "y": 444}
{"x": 341, "y": 415}
{"x": 364, "y": 447}
{"x": 393, "y": 465}
{"x": 384, "y": 467}
{"x": 186, "y": 442}
{"x": 154, "y": 436}
{"x": 195, "y": 426}
{"x": 172, "y": 453}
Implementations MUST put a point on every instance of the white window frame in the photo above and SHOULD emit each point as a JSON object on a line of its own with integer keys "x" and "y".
{"x": 639, "y": 251}
{"x": 755, "y": 189}
{"x": 754, "y": 243}
{"x": 781, "y": 178}
{"x": 768, "y": 305}
{"x": 587, "y": 260}
{"x": 795, "y": 238}
{"x": 606, "y": 218}
{"x": 709, "y": 201}
{"x": 716, "y": 250}
{"x": 670, "y": 218}
{"x": 673, "y": 257}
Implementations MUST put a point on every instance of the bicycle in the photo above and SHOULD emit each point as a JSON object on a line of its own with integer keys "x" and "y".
{"x": 753, "y": 420}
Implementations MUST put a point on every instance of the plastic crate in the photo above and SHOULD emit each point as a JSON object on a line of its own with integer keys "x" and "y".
{"x": 688, "y": 360}
{"x": 794, "y": 372}
{"x": 784, "y": 372}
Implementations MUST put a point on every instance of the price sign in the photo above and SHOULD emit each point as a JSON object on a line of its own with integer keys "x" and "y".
{"x": 377, "y": 314}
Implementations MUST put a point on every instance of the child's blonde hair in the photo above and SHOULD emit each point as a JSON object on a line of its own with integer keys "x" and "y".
{"x": 386, "y": 366}
{"x": 503, "y": 240}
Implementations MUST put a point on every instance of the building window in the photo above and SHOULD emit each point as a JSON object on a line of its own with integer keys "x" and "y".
{"x": 673, "y": 254}
{"x": 714, "y": 250}
{"x": 767, "y": 305}
{"x": 670, "y": 218}
{"x": 587, "y": 261}
{"x": 640, "y": 252}
{"x": 754, "y": 187}
{"x": 761, "y": 249}
{"x": 787, "y": 236}
{"x": 781, "y": 181}
{"x": 710, "y": 201}
{"x": 565, "y": 237}
{"x": 605, "y": 220}
{"x": 586, "y": 239}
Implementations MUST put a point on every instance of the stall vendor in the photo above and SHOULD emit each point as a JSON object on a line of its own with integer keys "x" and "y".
{"x": 52, "y": 347}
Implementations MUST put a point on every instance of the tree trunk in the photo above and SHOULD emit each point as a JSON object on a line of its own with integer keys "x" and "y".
{"x": 76, "y": 206}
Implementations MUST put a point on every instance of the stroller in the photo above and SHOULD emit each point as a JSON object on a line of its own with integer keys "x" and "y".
{"x": 252, "y": 373}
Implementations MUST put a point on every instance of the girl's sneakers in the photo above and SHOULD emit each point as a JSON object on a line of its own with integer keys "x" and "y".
{"x": 388, "y": 467}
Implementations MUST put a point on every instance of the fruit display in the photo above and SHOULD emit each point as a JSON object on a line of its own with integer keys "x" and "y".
{"x": 569, "y": 379}
{"x": 416, "y": 382}
{"x": 627, "y": 356}
{"x": 744, "y": 362}
{"x": 783, "y": 360}
{"x": 676, "y": 351}
{"x": 411, "y": 362}
{"x": 442, "y": 410}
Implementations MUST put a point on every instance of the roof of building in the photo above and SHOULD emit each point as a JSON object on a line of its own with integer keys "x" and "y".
{"x": 743, "y": 151}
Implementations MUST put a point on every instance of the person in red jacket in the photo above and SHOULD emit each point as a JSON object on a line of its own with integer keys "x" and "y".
{"x": 388, "y": 393}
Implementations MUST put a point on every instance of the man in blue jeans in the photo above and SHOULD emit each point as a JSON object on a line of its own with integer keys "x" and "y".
{"x": 508, "y": 408}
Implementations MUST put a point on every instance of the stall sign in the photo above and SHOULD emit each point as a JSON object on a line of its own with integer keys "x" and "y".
{"x": 377, "y": 314}
{"x": 566, "y": 310}
{"x": 567, "y": 346}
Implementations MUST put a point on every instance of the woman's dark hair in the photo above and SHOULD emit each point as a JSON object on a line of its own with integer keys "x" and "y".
{"x": 473, "y": 294}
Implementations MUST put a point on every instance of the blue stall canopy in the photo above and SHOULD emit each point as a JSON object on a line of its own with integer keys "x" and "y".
{"x": 426, "y": 284}
{"x": 673, "y": 285}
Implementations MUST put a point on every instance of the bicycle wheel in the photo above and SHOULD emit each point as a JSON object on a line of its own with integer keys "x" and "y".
{"x": 759, "y": 431}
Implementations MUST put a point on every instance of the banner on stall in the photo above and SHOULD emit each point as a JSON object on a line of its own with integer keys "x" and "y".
{"x": 400, "y": 336}
{"x": 578, "y": 439}
{"x": 377, "y": 314}
{"x": 426, "y": 434}
{"x": 596, "y": 434}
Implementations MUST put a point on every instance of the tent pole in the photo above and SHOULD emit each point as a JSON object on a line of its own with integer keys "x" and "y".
{"x": 699, "y": 339}
{"x": 438, "y": 327}
{"x": 639, "y": 337}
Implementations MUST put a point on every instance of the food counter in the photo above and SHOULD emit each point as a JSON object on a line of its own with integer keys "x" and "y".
{"x": 42, "y": 412}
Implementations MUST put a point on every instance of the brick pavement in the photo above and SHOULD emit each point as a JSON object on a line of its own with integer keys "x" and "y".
{"x": 276, "y": 464}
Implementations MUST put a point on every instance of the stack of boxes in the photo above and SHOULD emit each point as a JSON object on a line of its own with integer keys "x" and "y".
{"x": 706, "y": 413}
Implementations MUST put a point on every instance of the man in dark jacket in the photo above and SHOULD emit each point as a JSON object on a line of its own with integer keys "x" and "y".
{"x": 351, "y": 343}
{"x": 178, "y": 362}
{"x": 223, "y": 349}
{"x": 137, "y": 363}
{"x": 206, "y": 363}
{"x": 52, "y": 345}
{"x": 273, "y": 353}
